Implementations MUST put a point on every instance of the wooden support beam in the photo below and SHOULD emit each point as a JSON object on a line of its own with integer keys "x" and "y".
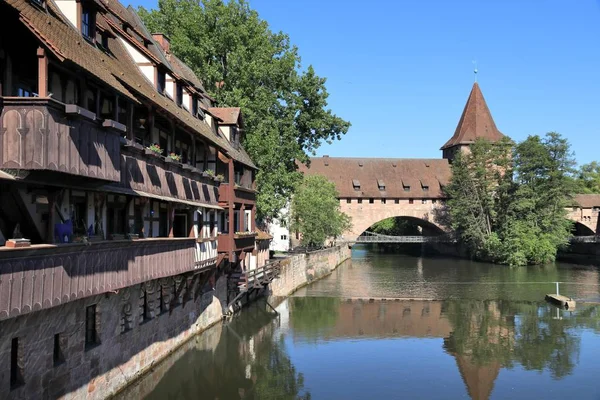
{"x": 42, "y": 88}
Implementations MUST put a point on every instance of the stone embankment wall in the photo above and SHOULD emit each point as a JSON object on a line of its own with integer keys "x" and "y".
{"x": 301, "y": 269}
{"x": 581, "y": 253}
{"x": 133, "y": 329}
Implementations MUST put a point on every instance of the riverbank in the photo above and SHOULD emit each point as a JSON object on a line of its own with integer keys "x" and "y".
{"x": 296, "y": 271}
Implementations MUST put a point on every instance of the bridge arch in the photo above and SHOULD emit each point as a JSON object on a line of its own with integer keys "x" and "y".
{"x": 425, "y": 215}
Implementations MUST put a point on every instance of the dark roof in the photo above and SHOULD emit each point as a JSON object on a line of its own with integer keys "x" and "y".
{"x": 262, "y": 235}
{"x": 229, "y": 115}
{"x": 117, "y": 70}
{"x": 587, "y": 200}
{"x": 475, "y": 122}
{"x": 186, "y": 72}
{"x": 407, "y": 172}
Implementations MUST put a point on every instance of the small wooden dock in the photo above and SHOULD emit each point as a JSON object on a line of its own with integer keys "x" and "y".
{"x": 562, "y": 301}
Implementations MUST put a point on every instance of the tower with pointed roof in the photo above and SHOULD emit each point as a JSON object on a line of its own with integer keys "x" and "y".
{"x": 475, "y": 122}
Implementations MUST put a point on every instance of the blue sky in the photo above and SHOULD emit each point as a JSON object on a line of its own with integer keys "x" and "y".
{"x": 401, "y": 71}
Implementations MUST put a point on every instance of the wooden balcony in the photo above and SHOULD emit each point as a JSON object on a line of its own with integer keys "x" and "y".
{"x": 38, "y": 134}
{"x": 158, "y": 176}
{"x": 233, "y": 243}
{"x": 44, "y": 276}
{"x": 240, "y": 194}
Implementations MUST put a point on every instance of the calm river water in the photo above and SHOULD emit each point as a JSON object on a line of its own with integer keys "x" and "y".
{"x": 471, "y": 330}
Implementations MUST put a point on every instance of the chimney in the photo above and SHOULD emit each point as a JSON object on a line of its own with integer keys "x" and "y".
{"x": 326, "y": 161}
{"x": 163, "y": 41}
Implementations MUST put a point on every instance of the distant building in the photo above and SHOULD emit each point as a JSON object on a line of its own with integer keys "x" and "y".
{"x": 280, "y": 232}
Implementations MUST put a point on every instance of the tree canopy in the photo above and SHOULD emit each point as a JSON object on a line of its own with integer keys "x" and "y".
{"x": 507, "y": 201}
{"x": 242, "y": 63}
{"x": 588, "y": 178}
{"x": 316, "y": 211}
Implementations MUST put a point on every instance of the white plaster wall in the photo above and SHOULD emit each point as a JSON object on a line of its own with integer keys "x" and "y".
{"x": 69, "y": 10}
{"x": 139, "y": 58}
{"x": 186, "y": 100}
{"x": 226, "y": 131}
{"x": 277, "y": 229}
{"x": 170, "y": 86}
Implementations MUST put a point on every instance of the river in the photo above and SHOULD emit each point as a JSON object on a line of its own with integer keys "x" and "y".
{"x": 389, "y": 326}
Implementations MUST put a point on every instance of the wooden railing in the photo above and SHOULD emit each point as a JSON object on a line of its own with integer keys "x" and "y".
{"x": 260, "y": 276}
{"x": 44, "y": 134}
{"x": 44, "y": 276}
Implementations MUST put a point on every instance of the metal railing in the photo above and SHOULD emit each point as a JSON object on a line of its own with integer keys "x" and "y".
{"x": 372, "y": 237}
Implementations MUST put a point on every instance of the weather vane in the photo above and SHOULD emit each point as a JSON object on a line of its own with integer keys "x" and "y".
{"x": 475, "y": 70}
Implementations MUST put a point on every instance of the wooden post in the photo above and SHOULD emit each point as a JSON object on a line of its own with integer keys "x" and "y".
{"x": 51, "y": 217}
{"x": 42, "y": 88}
{"x": 130, "y": 128}
{"x": 170, "y": 219}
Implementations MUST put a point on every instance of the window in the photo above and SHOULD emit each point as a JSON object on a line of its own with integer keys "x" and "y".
{"x": 433, "y": 201}
{"x": 406, "y": 188}
{"x": 411, "y": 201}
{"x": 58, "y": 355}
{"x": 248, "y": 220}
{"x": 396, "y": 201}
{"x": 355, "y": 184}
{"x": 283, "y": 237}
{"x": 145, "y": 309}
{"x": 425, "y": 188}
{"x": 22, "y": 92}
{"x": 236, "y": 220}
{"x": 179, "y": 93}
{"x": 16, "y": 373}
{"x": 224, "y": 222}
{"x": 87, "y": 23}
{"x": 91, "y": 334}
{"x": 371, "y": 201}
{"x": 104, "y": 43}
{"x": 424, "y": 201}
{"x": 382, "y": 201}
{"x": 359, "y": 201}
{"x": 381, "y": 184}
{"x": 161, "y": 81}
{"x": 116, "y": 213}
{"x": 348, "y": 201}
{"x": 194, "y": 106}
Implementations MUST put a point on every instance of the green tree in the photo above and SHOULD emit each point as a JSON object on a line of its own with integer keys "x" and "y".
{"x": 244, "y": 64}
{"x": 588, "y": 178}
{"x": 315, "y": 211}
{"x": 507, "y": 202}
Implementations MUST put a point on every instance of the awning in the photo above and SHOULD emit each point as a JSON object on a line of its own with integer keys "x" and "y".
{"x": 133, "y": 192}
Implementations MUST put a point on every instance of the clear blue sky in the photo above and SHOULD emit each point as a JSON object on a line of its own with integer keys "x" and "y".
{"x": 401, "y": 71}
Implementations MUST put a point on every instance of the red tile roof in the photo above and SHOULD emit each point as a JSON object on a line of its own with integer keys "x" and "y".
{"x": 475, "y": 122}
{"x": 587, "y": 200}
{"x": 229, "y": 115}
{"x": 424, "y": 176}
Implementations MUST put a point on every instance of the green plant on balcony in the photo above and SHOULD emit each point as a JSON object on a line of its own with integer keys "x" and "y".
{"x": 209, "y": 172}
{"x": 175, "y": 157}
{"x": 220, "y": 178}
{"x": 155, "y": 148}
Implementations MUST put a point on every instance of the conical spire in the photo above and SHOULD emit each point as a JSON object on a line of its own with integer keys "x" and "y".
{"x": 479, "y": 380}
{"x": 475, "y": 122}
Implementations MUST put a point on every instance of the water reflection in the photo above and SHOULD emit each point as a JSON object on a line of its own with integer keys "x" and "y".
{"x": 483, "y": 336}
{"x": 243, "y": 359}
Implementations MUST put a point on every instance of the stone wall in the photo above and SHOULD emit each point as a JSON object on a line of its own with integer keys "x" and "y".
{"x": 134, "y": 330}
{"x": 580, "y": 253}
{"x": 301, "y": 269}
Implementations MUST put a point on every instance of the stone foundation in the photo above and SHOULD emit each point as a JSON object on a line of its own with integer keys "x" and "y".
{"x": 134, "y": 328}
{"x": 302, "y": 269}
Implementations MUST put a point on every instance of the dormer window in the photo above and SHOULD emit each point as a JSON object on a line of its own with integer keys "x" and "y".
{"x": 194, "y": 106}
{"x": 406, "y": 187}
{"x": 381, "y": 184}
{"x": 39, "y": 3}
{"x": 356, "y": 184}
{"x": 87, "y": 22}
{"x": 160, "y": 82}
{"x": 425, "y": 186}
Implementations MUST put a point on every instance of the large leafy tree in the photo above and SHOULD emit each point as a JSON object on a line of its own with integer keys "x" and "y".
{"x": 588, "y": 178}
{"x": 507, "y": 202}
{"x": 315, "y": 212}
{"x": 244, "y": 64}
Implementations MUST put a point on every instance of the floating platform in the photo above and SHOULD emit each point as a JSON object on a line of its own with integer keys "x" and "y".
{"x": 562, "y": 301}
